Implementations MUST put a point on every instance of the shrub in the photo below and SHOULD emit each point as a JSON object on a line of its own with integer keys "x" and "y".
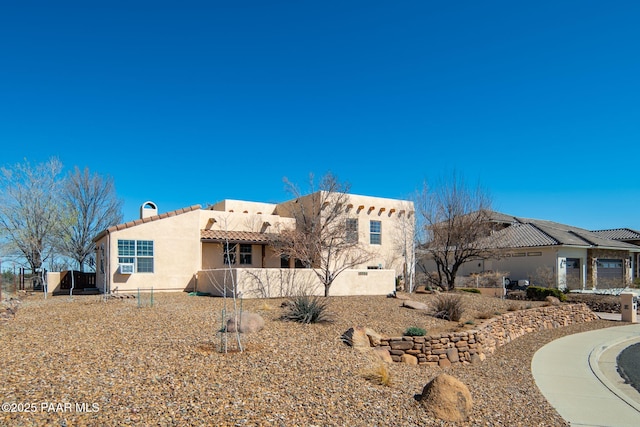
{"x": 378, "y": 374}
{"x": 414, "y": 331}
{"x": 448, "y": 307}
{"x": 307, "y": 309}
{"x": 513, "y": 307}
{"x": 484, "y": 315}
{"x": 538, "y": 293}
{"x": 471, "y": 290}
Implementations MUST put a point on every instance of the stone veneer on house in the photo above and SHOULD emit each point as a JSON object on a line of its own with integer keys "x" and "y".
{"x": 450, "y": 348}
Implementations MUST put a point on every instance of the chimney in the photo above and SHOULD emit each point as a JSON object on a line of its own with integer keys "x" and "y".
{"x": 148, "y": 209}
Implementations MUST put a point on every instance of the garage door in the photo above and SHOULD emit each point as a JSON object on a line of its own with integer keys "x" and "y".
{"x": 610, "y": 272}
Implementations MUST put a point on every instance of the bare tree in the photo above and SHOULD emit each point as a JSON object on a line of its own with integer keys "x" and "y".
{"x": 90, "y": 205}
{"x": 322, "y": 239}
{"x": 30, "y": 209}
{"x": 454, "y": 220}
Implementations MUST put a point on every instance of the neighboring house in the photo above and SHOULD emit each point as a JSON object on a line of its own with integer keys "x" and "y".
{"x": 628, "y": 236}
{"x": 229, "y": 246}
{"x": 549, "y": 253}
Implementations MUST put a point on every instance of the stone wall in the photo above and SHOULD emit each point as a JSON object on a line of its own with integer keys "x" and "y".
{"x": 451, "y": 348}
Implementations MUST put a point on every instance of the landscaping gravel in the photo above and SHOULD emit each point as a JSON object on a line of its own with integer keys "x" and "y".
{"x": 89, "y": 362}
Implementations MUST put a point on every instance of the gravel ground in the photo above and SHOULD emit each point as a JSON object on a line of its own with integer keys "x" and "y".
{"x": 86, "y": 362}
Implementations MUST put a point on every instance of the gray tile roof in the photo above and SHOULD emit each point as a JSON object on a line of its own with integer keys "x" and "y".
{"x": 619, "y": 234}
{"x": 521, "y": 235}
{"x": 526, "y": 232}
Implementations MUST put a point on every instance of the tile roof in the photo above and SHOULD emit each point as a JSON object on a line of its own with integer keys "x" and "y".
{"x": 521, "y": 236}
{"x": 236, "y": 236}
{"x": 619, "y": 234}
{"x": 526, "y": 232}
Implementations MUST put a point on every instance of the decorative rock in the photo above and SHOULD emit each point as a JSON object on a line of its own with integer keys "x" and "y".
{"x": 357, "y": 337}
{"x": 382, "y": 354}
{"x": 361, "y": 337}
{"x": 552, "y": 300}
{"x": 447, "y": 398}
{"x": 374, "y": 337}
{"x": 247, "y": 323}
{"x": 416, "y": 305}
{"x": 409, "y": 359}
{"x": 452, "y": 355}
{"x": 444, "y": 363}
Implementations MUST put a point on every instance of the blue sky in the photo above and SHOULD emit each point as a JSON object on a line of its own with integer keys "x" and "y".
{"x": 192, "y": 102}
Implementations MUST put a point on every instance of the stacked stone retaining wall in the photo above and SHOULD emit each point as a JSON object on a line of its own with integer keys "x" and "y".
{"x": 451, "y": 348}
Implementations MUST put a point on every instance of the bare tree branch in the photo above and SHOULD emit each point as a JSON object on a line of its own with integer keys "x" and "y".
{"x": 454, "y": 221}
{"x": 90, "y": 205}
{"x": 30, "y": 209}
{"x": 321, "y": 240}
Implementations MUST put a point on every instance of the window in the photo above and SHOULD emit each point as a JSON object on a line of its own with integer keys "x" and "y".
{"x": 229, "y": 251}
{"x": 284, "y": 261}
{"x": 375, "y": 233}
{"x": 245, "y": 254}
{"x": 352, "y": 230}
{"x": 136, "y": 252}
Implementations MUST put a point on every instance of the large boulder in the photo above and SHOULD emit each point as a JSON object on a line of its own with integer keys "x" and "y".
{"x": 416, "y": 305}
{"x": 382, "y": 354}
{"x": 361, "y": 337}
{"x": 447, "y": 398}
{"x": 245, "y": 323}
{"x": 551, "y": 300}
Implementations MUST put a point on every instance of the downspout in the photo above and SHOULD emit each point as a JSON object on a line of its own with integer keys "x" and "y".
{"x": 107, "y": 264}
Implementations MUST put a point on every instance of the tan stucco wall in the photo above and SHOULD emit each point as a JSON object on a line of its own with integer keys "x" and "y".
{"x": 274, "y": 283}
{"x": 176, "y": 254}
{"x": 397, "y": 219}
{"x": 179, "y": 252}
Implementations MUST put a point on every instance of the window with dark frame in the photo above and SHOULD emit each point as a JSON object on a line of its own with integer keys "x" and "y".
{"x": 245, "y": 254}
{"x": 229, "y": 253}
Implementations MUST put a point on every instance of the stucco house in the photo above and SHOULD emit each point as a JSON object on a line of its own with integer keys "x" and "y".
{"x": 540, "y": 251}
{"x": 626, "y": 235}
{"x": 229, "y": 246}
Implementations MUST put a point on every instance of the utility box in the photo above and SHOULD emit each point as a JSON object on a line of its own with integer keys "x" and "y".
{"x": 629, "y": 307}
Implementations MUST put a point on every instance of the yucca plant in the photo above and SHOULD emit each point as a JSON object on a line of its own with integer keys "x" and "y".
{"x": 307, "y": 309}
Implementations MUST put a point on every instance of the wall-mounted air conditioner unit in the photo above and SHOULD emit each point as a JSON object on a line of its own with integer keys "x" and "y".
{"x": 126, "y": 268}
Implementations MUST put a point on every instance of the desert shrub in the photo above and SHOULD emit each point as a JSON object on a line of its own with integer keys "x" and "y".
{"x": 513, "y": 307}
{"x": 484, "y": 315}
{"x": 414, "y": 331}
{"x": 545, "y": 276}
{"x": 470, "y": 290}
{"x": 538, "y": 293}
{"x": 448, "y": 307}
{"x": 307, "y": 309}
{"x": 378, "y": 373}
